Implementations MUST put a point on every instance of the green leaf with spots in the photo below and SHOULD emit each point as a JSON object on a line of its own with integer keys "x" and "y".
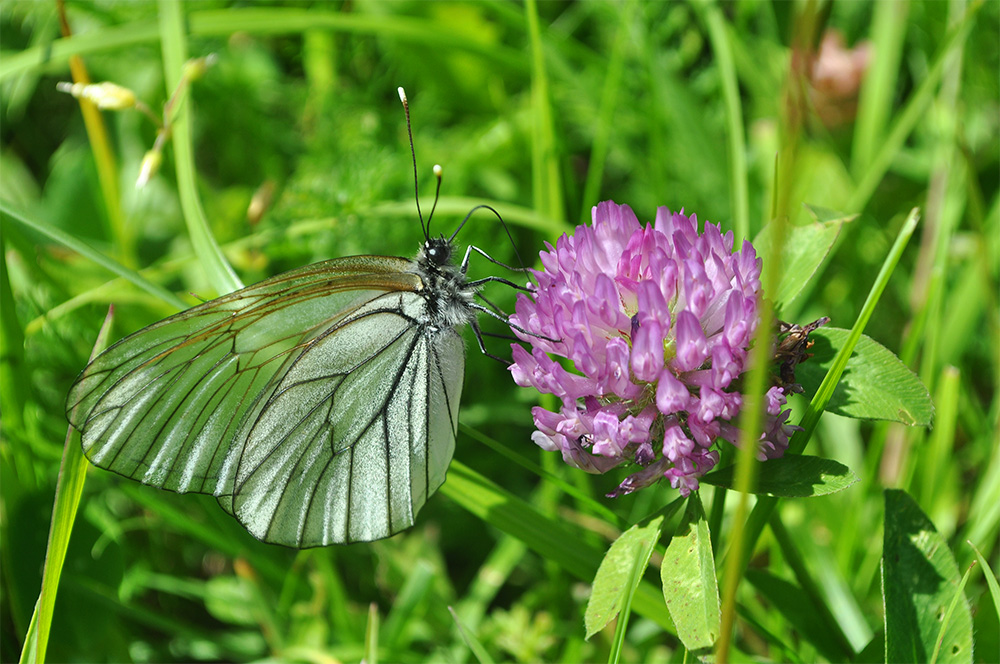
{"x": 920, "y": 581}
{"x": 619, "y": 574}
{"x": 690, "y": 587}
{"x": 876, "y": 385}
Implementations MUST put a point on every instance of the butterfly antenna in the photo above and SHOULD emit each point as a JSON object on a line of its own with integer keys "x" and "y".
{"x": 437, "y": 193}
{"x": 413, "y": 155}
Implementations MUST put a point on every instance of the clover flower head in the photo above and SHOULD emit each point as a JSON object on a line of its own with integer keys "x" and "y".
{"x": 657, "y": 321}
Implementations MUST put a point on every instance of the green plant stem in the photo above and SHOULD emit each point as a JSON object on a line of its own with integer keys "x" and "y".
{"x": 751, "y": 425}
{"x": 808, "y": 585}
{"x": 261, "y": 21}
{"x": 12, "y": 369}
{"x": 567, "y": 488}
{"x": 551, "y": 538}
{"x": 826, "y": 388}
{"x": 751, "y": 422}
{"x": 606, "y": 112}
{"x": 104, "y": 156}
{"x": 875, "y": 100}
{"x": 371, "y": 635}
{"x": 912, "y": 113}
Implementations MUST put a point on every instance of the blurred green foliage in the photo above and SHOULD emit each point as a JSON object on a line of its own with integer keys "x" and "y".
{"x": 303, "y": 100}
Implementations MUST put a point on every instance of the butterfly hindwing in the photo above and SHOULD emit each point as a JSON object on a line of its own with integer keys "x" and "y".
{"x": 356, "y": 435}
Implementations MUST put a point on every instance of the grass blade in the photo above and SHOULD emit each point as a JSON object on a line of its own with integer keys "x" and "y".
{"x": 174, "y": 43}
{"x": 69, "y": 488}
{"x": 16, "y": 213}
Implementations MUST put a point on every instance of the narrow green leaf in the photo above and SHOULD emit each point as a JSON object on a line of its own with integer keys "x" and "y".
{"x": 522, "y": 460}
{"x": 230, "y": 599}
{"x": 765, "y": 505}
{"x": 802, "y": 253}
{"x": 214, "y": 535}
{"x": 718, "y": 35}
{"x": 844, "y": 624}
{"x": 991, "y": 578}
{"x": 546, "y": 180}
{"x": 957, "y": 600}
{"x": 14, "y": 373}
{"x": 610, "y": 94}
{"x": 626, "y": 560}
{"x": 874, "y": 650}
{"x": 876, "y": 385}
{"x": 174, "y": 45}
{"x": 792, "y": 476}
{"x": 491, "y": 577}
{"x": 690, "y": 587}
{"x": 261, "y": 21}
{"x": 411, "y": 598}
{"x": 821, "y": 399}
{"x": 69, "y": 488}
{"x": 888, "y": 31}
{"x": 919, "y": 580}
{"x": 936, "y": 468}
{"x": 16, "y": 213}
{"x": 905, "y": 119}
{"x": 477, "y": 648}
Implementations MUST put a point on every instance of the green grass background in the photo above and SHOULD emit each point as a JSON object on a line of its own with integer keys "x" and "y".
{"x": 542, "y": 110}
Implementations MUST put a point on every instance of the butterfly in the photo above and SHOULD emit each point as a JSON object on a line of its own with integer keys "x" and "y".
{"x": 319, "y": 406}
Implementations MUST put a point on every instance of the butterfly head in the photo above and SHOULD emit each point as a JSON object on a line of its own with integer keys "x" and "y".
{"x": 436, "y": 251}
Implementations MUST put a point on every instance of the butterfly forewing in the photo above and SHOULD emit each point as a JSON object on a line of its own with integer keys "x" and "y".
{"x": 329, "y": 360}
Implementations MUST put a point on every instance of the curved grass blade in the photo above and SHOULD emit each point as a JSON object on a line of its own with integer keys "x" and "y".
{"x": 551, "y": 538}
{"x": 174, "y": 45}
{"x": 69, "y": 488}
{"x": 18, "y": 214}
{"x": 478, "y": 649}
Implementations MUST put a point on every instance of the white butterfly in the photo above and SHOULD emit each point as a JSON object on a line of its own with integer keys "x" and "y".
{"x": 319, "y": 406}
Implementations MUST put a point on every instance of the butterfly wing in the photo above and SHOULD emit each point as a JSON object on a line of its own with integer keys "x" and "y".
{"x": 175, "y": 404}
{"x": 355, "y": 435}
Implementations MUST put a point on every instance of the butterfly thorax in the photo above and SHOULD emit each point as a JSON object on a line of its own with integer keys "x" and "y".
{"x": 445, "y": 287}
